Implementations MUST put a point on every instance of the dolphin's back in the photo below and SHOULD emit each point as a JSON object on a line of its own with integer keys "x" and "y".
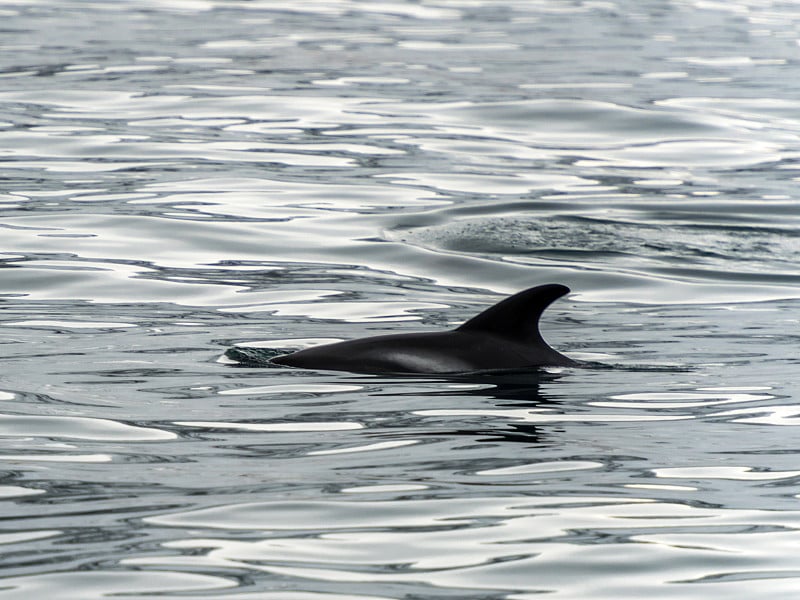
{"x": 504, "y": 336}
{"x": 400, "y": 353}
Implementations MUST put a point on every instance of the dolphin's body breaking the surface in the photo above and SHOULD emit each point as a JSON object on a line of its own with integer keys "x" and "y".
{"x": 505, "y": 336}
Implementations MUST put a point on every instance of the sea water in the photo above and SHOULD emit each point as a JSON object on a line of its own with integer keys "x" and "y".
{"x": 180, "y": 177}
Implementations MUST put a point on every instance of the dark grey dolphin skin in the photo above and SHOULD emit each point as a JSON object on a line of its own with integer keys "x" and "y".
{"x": 505, "y": 336}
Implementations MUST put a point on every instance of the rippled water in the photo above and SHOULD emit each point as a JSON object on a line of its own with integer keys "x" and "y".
{"x": 181, "y": 177}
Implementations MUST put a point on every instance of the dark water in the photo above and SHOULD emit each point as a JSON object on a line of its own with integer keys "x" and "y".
{"x": 180, "y": 177}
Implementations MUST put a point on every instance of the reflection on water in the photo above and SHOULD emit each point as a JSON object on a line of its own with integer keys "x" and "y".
{"x": 506, "y": 544}
{"x": 180, "y": 178}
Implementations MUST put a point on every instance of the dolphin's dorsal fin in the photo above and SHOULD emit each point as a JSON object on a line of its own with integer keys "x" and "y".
{"x": 517, "y": 317}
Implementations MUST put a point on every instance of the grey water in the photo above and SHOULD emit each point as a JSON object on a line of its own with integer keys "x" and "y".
{"x": 181, "y": 177}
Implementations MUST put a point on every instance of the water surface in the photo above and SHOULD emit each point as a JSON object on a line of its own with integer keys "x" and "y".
{"x": 182, "y": 177}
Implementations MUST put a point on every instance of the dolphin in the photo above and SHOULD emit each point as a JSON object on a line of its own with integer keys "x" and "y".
{"x": 504, "y": 336}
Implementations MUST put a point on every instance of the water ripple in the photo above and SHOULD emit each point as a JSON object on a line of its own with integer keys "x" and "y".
{"x": 502, "y": 543}
{"x": 78, "y": 428}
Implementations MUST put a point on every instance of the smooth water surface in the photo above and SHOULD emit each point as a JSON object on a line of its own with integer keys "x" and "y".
{"x": 182, "y": 177}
